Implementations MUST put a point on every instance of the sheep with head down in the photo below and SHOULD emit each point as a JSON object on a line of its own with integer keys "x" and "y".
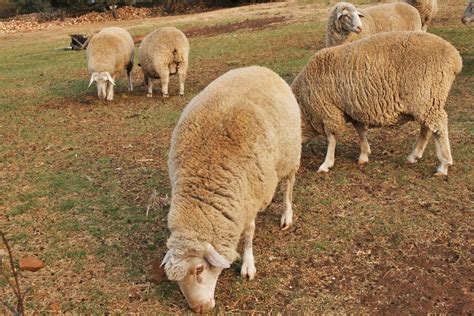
{"x": 346, "y": 23}
{"x": 233, "y": 144}
{"x": 427, "y": 10}
{"x": 109, "y": 52}
{"x": 468, "y": 13}
{"x": 379, "y": 81}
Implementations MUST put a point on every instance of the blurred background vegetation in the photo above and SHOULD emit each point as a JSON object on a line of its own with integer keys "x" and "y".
{"x": 10, "y": 8}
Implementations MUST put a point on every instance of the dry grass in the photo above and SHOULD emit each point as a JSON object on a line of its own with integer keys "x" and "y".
{"x": 77, "y": 174}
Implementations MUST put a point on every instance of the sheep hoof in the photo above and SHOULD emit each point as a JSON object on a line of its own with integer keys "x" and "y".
{"x": 286, "y": 222}
{"x": 166, "y": 96}
{"x": 362, "y": 162}
{"x": 412, "y": 158}
{"x": 181, "y": 94}
{"x": 323, "y": 169}
{"x": 248, "y": 271}
{"x": 149, "y": 95}
{"x": 440, "y": 174}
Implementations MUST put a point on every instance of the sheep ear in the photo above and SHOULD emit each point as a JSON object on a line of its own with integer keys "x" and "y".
{"x": 166, "y": 258}
{"x": 93, "y": 76}
{"x": 215, "y": 258}
{"x": 110, "y": 79}
{"x": 338, "y": 15}
{"x": 360, "y": 14}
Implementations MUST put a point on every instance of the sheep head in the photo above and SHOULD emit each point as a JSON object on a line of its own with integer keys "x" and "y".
{"x": 196, "y": 272}
{"x": 347, "y": 18}
{"x": 103, "y": 79}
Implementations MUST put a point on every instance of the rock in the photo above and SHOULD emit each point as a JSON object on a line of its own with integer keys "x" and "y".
{"x": 31, "y": 264}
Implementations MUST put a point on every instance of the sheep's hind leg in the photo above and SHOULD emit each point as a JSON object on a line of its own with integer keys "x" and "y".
{"x": 364, "y": 144}
{"x": 287, "y": 217}
{"x": 165, "y": 78}
{"x": 329, "y": 160}
{"x": 420, "y": 144}
{"x": 248, "y": 269}
{"x": 443, "y": 150}
{"x": 149, "y": 84}
{"x": 182, "y": 69}
{"x": 129, "y": 74}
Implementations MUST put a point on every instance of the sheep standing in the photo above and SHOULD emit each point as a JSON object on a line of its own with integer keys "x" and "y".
{"x": 427, "y": 10}
{"x": 379, "y": 81}
{"x": 108, "y": 53}
{"x": 232, "y": 145}
{"x": 468, "y": 13}
{"x": 163, "y": 52}
{"x": 345, "y": 23}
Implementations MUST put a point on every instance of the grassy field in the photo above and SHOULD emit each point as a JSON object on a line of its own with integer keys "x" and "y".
{"x": 77, "y": 176}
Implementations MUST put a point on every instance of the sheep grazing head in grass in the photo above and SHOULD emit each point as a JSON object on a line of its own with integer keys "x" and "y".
{"x": 468, "y": 13}
{"x": 105, "y": 84}
{"x": 346, "y": 17}
{"x": 196, "y": 271}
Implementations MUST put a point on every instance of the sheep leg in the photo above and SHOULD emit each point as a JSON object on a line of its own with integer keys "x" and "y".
{"x": 149, "y": 84}
{"x": 287, "y": 217}
{"x": 110, "y": 91}
{"x": 165, "y": 77}
{"x": 248, "y": 269}
{"x": 443, "y": 150}
{"x": 420, "y": 144}
{"x": 364, "y": 144}
{"x": 182, "y": 69}
{"x": 129, "y": 74}
{"x": 329, "y": 160}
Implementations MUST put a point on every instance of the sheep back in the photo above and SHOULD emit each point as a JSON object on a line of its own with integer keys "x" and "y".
{"x": 164, "y": 47}
{"x": 110, "y": 50}
{"x": 234, "y": 141}
{"x": 378, "y": 81}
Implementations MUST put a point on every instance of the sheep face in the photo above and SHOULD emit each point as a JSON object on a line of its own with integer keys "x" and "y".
{"x": 103, "y": 80}
{"x": 349, "y": 20}
{"x": 196, "y": 274}
{"x": 468, "y": 13}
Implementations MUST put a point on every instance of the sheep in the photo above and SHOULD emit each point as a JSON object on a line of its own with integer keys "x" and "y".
{"x": 379, "y": 81}
{"x": 344, "y": 24}
{"x": 468, "y": 13}
{"x": 427, "y": 10}
{"x": 232, "y": 145}
{"x": 109, "y": 52}
{"x": 163, "y": 52}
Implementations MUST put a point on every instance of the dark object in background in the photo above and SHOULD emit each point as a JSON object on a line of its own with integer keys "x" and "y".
{"x": 79, "y": 41}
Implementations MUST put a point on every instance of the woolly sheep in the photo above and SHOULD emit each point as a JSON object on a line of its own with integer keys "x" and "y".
{"x": 232, "y": 145}
{"x": 109, "y": 52}
{"x": 427, "y": 10}
{"x": 371, "y": 82}
{"x": 163, "y": 52}
{"x": 344, "y": 23}
{"x": 468, "y": 13}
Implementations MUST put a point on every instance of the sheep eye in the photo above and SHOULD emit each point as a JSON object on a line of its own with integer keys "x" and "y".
{"x": 199, "y": 269}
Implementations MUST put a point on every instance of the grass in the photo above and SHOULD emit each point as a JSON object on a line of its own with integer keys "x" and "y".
{"x": 77, "y": 175}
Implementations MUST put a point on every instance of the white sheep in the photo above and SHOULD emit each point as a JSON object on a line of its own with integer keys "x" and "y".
{"x": 468, "y": 13}
{"x": 162, "y": 53}
{"x": 109, "y": 52}
{"x": 345, "y": 23}
{"x": 379, "y": 81}
{"x": 427, "y": 10}
{"x": 232, "y": 145}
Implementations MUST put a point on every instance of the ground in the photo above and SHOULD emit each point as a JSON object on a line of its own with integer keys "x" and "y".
{"x": 77, "y": 176}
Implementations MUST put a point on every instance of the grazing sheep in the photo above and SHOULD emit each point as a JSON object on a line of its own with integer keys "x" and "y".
{"x": 345, "y": 24}
{"x": 109, "y": 52}
{"x": 427, "y": 10}
{"x": 232, "y": 145}
{"x": 162, "y": 53}
{"x": 379, "y": 81}
{"x": 468, "y": 13}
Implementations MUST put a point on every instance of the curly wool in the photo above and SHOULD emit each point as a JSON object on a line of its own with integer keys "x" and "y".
{"x": 427, "y": 10}
{"x": 378, "y": 81}
{"x": 111, "y": 50}
{"x": 387, "y": 17}
{"x": 227, "y": 156}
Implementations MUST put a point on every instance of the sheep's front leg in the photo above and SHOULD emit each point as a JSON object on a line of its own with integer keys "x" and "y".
{"x": 149, "y": 84}
{"x": 364, "y": 144}
{"x": 248, "y": 265}
{"x": 287, "y": 217}
{"x": 329, "y": 161}
{"x": 110, "y": 91}
{"x": 420, "y": 144}
{"x": 129, "y": 74}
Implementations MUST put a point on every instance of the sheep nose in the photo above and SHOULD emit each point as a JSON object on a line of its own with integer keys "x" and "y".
{"x": 464, "y": 20}
{"x": 358, "y": 29}
{"x": 204, "y": 306}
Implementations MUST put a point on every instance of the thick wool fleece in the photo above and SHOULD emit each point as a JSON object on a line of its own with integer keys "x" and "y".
{"x": 165, "y": 49}
{"x": 427, "y": 10}
{"x": 233, "y": 143}
{"x": 378, "y": 81}
{"x": 111, "y": 50}
{"x": 387, "y": 17}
